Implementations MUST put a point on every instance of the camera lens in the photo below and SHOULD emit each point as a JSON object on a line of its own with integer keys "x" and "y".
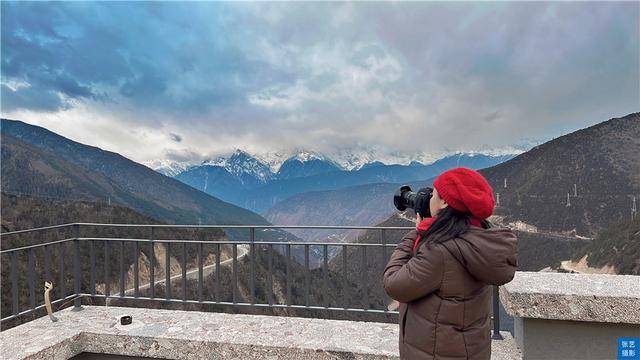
{"x": 405, "y": 198}
{"x": 400, "y": 198}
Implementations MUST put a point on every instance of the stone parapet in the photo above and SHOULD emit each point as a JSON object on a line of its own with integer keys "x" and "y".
{"x": 572, "y": 316}
{"x": 197, "y": 335}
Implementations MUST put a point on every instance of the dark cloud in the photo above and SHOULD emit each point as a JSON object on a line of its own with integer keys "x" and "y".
{"x": 37, "y": 99}
{"x": 327, "y": 75}
{"x": 153, "y": 63}
{"x": 175, "y": 137}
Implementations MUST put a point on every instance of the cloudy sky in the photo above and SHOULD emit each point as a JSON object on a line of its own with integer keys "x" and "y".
{"x": 184, "y": 81}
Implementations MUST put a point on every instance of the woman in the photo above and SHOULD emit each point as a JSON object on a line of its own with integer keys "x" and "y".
{"x": 440, "y": 272}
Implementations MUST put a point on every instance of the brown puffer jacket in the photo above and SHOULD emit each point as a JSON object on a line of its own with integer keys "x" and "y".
{"x": 444, "y": 294}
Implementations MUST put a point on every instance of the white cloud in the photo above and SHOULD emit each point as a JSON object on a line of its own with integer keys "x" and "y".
{"x": 394, "y": 77}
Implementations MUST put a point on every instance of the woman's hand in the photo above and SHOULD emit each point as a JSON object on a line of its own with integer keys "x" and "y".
{"x": 418, "y": 218}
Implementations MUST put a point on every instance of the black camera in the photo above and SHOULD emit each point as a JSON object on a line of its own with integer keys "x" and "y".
{"x": 405, "y": 198}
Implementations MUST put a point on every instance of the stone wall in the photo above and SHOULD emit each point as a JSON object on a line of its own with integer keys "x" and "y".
{"x": 572, "y": 316}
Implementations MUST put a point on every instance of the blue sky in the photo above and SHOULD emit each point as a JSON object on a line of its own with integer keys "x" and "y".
{"x": 185, "y": 81}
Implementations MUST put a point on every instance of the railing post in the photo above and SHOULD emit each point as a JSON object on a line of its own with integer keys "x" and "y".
{"x": 136, "y": 269}
{"x": 234, "y": 269}
{"x": 496, "y": 314}
{"x": 345, "y": 298}
{"x": 200, "y": 269}
{"x": 288, "y": 269}
{"x": 365, "y": 289}
{"x": 216, "y": 289}
{"x": 252, "y": 266}
{"x": 167, "y": 271}
{"x": 61, "y": 277}
{"x": 92, "y": 264}
{"x": 77, "y": 302}
{"x": 307, "y": 280}
{"x": 270, "y": 275}
{"x": 14, "y": 282}
{"x": 184, "y": 271}
{"x": 31, "y": 256}
{"x": 152, "y": 265}
{"x": 47, "y": 264}
{"x": 325, "y": 275}
{"x": 122, "y": 271}
{"x": 107, "y": 271}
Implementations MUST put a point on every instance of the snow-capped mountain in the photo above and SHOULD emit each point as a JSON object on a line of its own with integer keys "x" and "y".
{"x": 254, "y": 170}
{"x": 247, "y": 169}
{"x": 305, "y": 155}
{"x": 259, "y": 168}
{"x": 346, "y": 158}
{"x": 262, "y": 198}
{"x": 354, "y": 158}
{"x": 275, "y": 159}
{"x": 306, "y": 164}
{"x": 249, "y": 180}
{"x": 168, "y": 167}
{"x": 358, "y": 158}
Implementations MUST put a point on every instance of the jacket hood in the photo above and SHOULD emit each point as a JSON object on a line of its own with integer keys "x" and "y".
{"x": 490, "y": 255}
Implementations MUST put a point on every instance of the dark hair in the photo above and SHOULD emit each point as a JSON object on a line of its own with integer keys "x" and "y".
{"x": 450, "y": 223}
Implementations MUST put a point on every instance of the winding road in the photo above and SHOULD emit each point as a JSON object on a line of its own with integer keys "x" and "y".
{"x": 243, "y": 250}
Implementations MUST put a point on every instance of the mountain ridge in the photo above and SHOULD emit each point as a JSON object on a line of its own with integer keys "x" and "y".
{"x": 579, "y": 182}
{"x": 275, "y": 162}
{"x": 324, "y": 177}
{"x": 27, "y": 148}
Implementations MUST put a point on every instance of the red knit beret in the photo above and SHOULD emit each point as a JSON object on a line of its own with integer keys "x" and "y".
{"x": 467, "y": 191}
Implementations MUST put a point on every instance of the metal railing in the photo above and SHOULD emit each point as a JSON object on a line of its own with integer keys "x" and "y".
{"x": 247, "y": 247}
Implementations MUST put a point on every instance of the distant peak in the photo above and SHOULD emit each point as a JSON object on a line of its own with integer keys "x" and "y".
{"x": 306, "y": 155}
{"x": 241, "y": 153}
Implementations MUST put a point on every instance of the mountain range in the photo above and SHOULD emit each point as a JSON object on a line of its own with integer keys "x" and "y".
{"x": 600, "y": 160}
{"x": 347, "y": 158}
{"x": 243, "y": 180}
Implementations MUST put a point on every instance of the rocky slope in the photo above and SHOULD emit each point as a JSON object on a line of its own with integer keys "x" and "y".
{"x": 601, "y": 161}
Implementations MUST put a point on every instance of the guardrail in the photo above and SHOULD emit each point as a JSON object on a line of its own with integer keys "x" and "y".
{"x": 247, "y": 247}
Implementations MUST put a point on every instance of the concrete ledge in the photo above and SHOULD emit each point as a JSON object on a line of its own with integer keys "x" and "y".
{"x": 197, "y": 335}
{"x": 572, "y": 316}
{"x": 563, "y": 339}
{"x": 576, "y": 297}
